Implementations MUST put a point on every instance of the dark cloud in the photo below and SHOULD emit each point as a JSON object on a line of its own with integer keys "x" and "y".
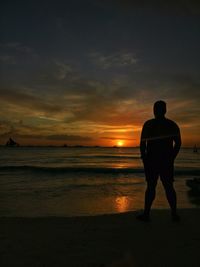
{"x": 17, "y": 47}
{"x": 16, "y": 53}
{"x": 187, "y": 86}
{"x": 89, "y": 65}
{"x": 115, "y": 138}
{"x": 120, "y": 102}
{"x": 125, "y": 103}
{"x": 5, "y": 126}
{"x": 63, "y": 70}
{"x": 179, "y": 7}
{"x": 68, "y": 137}
{"x": 30, "y": 101}
{"x": 57, "y": 137}
{"x": 116, "y": 60}
{"x": 7, "y": 59}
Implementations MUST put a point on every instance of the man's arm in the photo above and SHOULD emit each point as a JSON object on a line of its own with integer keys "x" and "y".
{"x": 177, "y": 143}
{"x": 143, "y": 142}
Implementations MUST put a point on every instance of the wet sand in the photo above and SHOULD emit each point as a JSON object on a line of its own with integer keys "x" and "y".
{"x": 101, "y": 241}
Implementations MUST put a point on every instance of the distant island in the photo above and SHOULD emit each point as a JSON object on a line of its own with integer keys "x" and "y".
{"x": 13, "y": 143}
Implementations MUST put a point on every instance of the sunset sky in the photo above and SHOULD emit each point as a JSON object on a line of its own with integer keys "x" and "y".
{"x": 88, "y": 72}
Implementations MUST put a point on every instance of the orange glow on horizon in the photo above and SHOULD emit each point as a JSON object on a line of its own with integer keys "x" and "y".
{"x": 111, "y": 140}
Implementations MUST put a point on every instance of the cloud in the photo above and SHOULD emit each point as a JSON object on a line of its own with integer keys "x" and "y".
{"x": 57, "y": 137}
{"x": 177, "y": 7}
{"x": 63, "y": 137}
{"x": 14, "y": 52}
{"x": 188, "y": 85}
{"x": 118, "y": 102}
{"x": 80, "y": 106}
{"x": 130, "y": 104}
{"x": 48, "y": 118}
{"x": 7, "y": 59}
{"x": 17, "y": 47}
{"x": 29, "y": 101}
{"x": 47, "y": 132}
{"x": 5, "y": 126}
{"x": 117, "y": 138}
{"x": 62, "y": 70}
{"x": 113, "y": 60}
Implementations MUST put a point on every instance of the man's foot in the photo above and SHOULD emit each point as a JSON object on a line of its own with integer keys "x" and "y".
{"x": 143, "y": 217}
{"x": 176, "y": 218}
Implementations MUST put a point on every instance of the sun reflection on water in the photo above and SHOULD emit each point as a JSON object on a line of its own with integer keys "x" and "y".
{"x": 122, "y": 203}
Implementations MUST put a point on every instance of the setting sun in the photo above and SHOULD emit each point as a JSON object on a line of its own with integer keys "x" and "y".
{"x": 120, "y": 143}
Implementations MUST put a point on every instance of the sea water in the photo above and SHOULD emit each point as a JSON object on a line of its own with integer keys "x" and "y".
{"x": 78, "y": 181}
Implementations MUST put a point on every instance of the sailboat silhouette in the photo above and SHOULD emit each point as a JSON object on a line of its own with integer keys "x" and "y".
{"x": 11, "y": 142}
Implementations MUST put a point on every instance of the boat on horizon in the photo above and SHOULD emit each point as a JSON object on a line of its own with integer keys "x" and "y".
{"x": 11, "y": 143}
{"x": 195, "y": 150}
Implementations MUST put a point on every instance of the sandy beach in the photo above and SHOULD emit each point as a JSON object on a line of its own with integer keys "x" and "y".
{"x": 107, "y": 240}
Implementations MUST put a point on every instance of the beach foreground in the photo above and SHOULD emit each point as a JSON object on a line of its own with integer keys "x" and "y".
{"x": 108, "y": 240}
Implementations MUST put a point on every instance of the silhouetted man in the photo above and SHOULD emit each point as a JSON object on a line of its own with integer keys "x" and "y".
{"x": 159, "y": 146}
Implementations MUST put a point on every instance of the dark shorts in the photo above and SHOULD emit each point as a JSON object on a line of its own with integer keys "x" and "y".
{"x": 154, "y": 170}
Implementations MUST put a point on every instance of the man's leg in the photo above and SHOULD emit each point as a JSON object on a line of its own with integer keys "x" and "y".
{"x": 167, "y": 178}
{"x": 150, "y": 195}
{"x": 170, "y": 194}
{"x": 171, "y": 197}
{"x": 151, "y": 174}
{"x": 149, "y": 198}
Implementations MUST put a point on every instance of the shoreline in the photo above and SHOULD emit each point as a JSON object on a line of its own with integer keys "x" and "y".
{"x": 109, "y": 240}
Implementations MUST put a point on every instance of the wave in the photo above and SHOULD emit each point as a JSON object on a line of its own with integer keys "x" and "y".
{"x": 98, "y": 185}
{"x": 70, "y": 169}
{"x": 62, "y": 170}
{"x": 109, "y": 156}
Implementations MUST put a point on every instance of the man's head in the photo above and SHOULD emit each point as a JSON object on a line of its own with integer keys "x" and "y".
{"x": 159, "y": 109}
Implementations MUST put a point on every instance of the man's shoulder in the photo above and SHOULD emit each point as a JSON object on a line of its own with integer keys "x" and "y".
{"x": 171, "y": 123}
{"x": 149, "y": 122}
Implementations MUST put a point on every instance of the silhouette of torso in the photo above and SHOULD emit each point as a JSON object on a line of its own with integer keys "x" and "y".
{"x": 159, "y": 134}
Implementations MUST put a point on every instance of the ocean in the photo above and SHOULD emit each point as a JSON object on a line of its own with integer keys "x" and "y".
{"x": 73, "y": 181}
